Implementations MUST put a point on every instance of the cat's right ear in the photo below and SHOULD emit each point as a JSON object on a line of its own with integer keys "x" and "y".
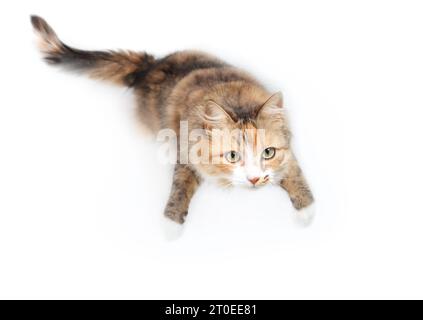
{"x": 214, "y": 116}
{"x": 272, "y": 107}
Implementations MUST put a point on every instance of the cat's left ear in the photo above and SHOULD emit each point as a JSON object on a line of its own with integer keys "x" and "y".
{"x": 215, "y": 116}
{"x": 273, "y": 106}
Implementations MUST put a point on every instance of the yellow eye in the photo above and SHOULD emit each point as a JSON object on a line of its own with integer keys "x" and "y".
{"x": 268, "y": 153}
{"x": 232, "y": 156}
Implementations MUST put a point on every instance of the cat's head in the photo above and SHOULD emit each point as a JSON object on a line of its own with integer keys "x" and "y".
{"x": 248, "y": 137}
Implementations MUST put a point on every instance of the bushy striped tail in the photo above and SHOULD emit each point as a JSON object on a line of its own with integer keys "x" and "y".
{"x": 119, "y": 67}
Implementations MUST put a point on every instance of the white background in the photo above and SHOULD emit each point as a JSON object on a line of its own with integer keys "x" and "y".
{"x": 81, "y": 190}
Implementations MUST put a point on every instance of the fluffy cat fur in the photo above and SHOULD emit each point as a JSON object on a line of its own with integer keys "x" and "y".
{"x": 207, "y": 93}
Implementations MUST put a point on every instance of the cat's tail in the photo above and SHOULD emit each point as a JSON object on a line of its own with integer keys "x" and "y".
{"x": 119, "y": 67}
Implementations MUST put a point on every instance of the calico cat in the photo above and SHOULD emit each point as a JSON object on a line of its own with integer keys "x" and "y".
{"x": 207, "y": 94}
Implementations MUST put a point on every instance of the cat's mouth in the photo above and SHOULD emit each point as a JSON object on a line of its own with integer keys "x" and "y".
{"x": 258, "y": 182}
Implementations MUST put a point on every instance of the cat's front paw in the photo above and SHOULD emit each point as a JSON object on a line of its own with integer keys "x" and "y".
{"x": 305, "y": 216}
{"x": 172, "y": 230}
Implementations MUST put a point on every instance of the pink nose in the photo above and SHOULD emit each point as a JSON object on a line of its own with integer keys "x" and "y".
{"x": 254, "y": 180}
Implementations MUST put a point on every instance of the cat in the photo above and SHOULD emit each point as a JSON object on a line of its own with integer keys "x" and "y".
{"x": 208, "y": 94}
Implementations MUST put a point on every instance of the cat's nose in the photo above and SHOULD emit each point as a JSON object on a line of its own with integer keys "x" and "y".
{"x": 254, "y": 180}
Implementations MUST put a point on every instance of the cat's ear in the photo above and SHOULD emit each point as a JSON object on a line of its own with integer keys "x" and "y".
{"x": 272, "y": 107}
{"x": 214, "y": 116}
{"x": 271, "y": 116}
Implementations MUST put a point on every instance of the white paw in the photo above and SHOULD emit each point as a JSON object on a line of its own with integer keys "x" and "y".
{"x": 171, "y": 229}
{"x": 305, "y": 216}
